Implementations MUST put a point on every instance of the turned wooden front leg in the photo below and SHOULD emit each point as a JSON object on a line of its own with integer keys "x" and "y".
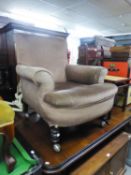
{"x": 8, "y": 135}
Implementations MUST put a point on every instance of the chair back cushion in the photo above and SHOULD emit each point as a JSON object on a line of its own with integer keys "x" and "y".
{"x": 45, "y": 51}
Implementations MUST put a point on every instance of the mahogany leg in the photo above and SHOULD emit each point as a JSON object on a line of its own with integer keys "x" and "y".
{"x": 7, "y": 141}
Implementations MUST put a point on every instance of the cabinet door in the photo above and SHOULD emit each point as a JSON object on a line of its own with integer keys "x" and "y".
{"x": 109, "y": 160}
{"x": 105, "y": 170}
{"x": 117, "y": 163}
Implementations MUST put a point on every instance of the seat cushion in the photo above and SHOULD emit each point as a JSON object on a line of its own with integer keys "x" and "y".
{"x": 84, "y": 95}
{"x": 66, "y": 85}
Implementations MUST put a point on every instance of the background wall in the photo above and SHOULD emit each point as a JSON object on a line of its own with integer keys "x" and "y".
{"x": 73, "y": 44}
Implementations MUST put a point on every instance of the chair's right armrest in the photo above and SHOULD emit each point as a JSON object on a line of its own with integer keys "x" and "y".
{"x": 86, "y": 74}
{"x": 38, "y": 75}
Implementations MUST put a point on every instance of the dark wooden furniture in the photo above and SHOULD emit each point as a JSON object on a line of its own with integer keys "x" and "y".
{"x": 122, "y": 83}
{"x": 7, "y": 116}
{"x": 116, "y": 79}
{"x": 74, "y": 148}
{"x": 89, "y": 55}
{"x": 110, "y": 160}
{"x": 8, "y": 135}
{"x": 7, "y": 131}
{"x": 119, "y": 67}
{"x": 7, "y": 47}
{"x": 6, "y": 90}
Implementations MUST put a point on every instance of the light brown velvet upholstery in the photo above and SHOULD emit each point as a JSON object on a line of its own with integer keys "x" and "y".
{"x": 38, "y": 50}
{"x": 64, "y": 95}
{"x": 86, "y": 74}
{"x": 78, "y": 104}
{"x": 82, "y": 96}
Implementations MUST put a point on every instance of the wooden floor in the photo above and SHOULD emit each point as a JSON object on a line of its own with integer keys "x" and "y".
{"x": 73, "y": 139}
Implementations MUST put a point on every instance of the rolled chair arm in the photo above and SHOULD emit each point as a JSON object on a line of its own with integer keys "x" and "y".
{"x": 37, "y": 75}
{"x": 86, "y": 74}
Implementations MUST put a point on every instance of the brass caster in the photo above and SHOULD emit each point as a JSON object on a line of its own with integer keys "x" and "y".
{"x": 57, "y": 148}
{"x": 103, "y": 123}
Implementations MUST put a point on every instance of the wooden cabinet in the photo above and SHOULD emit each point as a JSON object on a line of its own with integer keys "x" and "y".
{"x": 122, "y": 69}
{"x": 90, "y": 55}
{"x": 6, "y": 90}
{"x": 8, "y": 45}
{"x": 116, "y": 166}
{"x": 110, "y": 160}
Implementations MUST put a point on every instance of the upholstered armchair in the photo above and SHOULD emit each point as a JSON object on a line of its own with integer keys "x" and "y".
{"x": 82, "y": 98}
{"x": 64, "y": 95}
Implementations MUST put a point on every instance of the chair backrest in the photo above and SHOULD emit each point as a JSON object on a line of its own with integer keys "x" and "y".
{"x": 42, "y": 50}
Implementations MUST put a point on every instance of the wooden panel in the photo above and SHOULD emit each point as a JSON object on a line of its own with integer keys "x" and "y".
{"x": 3, "y": 51}
{"x": 117, "y": 164}
{"x": 103, "y": 171}
{"x": 29, "y": 28}
{"x": 115, "y": 79}
{"x": 94, "y": 166}
{"x": 129, "y": 95}
{"x": 11, "y": 48}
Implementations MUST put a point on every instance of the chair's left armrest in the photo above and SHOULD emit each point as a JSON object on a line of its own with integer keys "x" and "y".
{"x": 86, "y": 74}
{"x": 37, "y": 75}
